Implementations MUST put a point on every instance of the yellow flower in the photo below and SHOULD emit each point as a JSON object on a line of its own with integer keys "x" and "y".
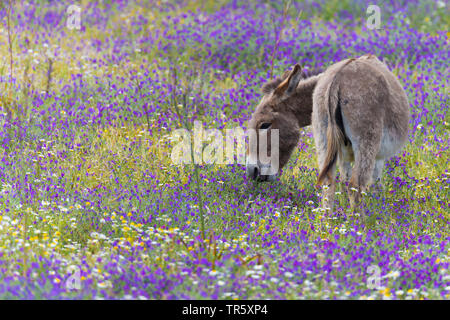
{"x": 386, "y": 292}
{"x": 88, "y": 203}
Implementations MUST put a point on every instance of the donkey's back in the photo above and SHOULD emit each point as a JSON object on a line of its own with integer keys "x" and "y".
{"x": 360, "y": 114}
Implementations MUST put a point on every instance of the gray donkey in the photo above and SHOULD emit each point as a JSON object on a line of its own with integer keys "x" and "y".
{"x": 359, "y": 113}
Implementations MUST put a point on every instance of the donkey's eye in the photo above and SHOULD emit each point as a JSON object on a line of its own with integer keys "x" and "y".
{"x": 265, "y": 125}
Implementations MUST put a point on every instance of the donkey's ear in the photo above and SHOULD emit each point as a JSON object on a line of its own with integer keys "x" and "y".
{"x": 289, "y": 85}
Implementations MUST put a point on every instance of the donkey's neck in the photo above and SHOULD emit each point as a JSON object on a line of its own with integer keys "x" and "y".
{"x": 302, "y": 103}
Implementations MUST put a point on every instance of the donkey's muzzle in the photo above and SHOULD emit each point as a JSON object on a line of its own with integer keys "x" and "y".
{"x": 253, "y": 171}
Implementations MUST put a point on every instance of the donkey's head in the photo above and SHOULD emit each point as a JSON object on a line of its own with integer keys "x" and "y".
{"x": 273, "y": 117}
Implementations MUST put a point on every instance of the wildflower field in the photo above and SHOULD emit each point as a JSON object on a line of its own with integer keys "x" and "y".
{"x": 93, "y": 207}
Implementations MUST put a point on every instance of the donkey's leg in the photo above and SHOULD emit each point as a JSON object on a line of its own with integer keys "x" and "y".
{"x": 329, "y": 184}
{"x": 377, "y": 175}
{"x": 345, "y": 171}
{"x": 362, "y": 170}
{"x": 319, "y": 126}
{"x": 345, "y": 166}
{"x": 328, "y": 190}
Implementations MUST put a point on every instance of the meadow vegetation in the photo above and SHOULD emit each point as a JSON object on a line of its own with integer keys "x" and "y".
{"x": 91, "y": 205}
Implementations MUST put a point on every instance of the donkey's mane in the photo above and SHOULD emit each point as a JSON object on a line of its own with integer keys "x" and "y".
{"x": 269, "y": 86}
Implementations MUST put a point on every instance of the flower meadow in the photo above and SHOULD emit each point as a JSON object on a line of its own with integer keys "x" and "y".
{"x": 92, "y": 207}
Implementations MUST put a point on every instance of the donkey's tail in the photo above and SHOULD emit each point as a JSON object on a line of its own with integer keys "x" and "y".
{"x": 335, "y": 133}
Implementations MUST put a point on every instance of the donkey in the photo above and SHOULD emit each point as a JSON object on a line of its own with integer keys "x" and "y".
{"x": 359, "y": 113}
